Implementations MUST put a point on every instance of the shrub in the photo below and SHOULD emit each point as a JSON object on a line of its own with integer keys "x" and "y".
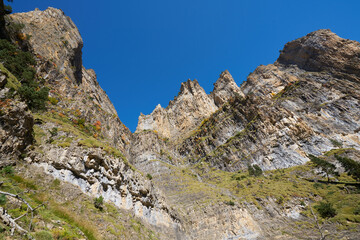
{"x": 8, "y": 9}
{"x": 280, "y": 200}
{"x": 53, "y": 100}
{"x": 336, "y": 143}
{"x": 7, "y": 170}
{"x": 20, "y": 64}
{"x": 53, "y": 132}
{"x": 325, "y": 166}
{"x": 254, "y": 170}
{"x": 56, "y": 183}
{"x": 230, "y": 203}
{"x": 98, "y": 202}
{"x": 326, "y": 210}
{"x": 34, "y": 96}
{"x": 357, "y": 210}
{"x": 3, "y": 199}
{"x": 16, "y": 61}
{"x": 351, "y": 167}
{"x": 81, "y": 122}
{"x": 149, "y": 176}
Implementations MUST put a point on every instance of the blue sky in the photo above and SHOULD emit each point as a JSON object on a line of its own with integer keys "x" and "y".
{"x": 142, "y": 50}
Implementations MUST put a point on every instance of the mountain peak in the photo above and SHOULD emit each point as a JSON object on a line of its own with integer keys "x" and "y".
{"x": 224, "y": 89}
{"x": 188, "y": 108}
{"x": 322, "y": 50}
{"x": 191, "y": 87}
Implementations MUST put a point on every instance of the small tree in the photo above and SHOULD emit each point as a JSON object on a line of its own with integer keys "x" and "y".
{"x": 326, "y": 210}
{"x": 98, "y": 202}
{"x": 325, "y": 166}
{"x": 254, "y": 170}
{"x": 351, "y": 167}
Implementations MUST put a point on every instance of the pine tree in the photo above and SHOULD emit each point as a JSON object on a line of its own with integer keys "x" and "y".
{"x": 325, "y": 166}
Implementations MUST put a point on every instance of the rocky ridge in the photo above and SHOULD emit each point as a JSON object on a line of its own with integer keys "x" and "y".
{"x": 56, "y": 42}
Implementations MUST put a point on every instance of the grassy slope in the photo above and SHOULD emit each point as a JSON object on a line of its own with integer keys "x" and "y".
{"x": 200, "y": 186}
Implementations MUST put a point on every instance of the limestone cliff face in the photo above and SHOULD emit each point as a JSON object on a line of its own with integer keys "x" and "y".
{"x": 303, "y": 103}
{"x": 189, "y": 108}
{"x": 169, "y": 173}
{"x": 323, "y": 51}
{"x": 291, "y": 108}
{"x": 15, "y": 130}
{"x": 224, "y": 89}
{"x": 56, "y": 42}
{"x": 183, "y": 113}
{"x": 53, "y": 37}
{"x": 93, "y": 155}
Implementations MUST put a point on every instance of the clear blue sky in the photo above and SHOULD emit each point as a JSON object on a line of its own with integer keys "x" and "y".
{"x": 142, "y": 50}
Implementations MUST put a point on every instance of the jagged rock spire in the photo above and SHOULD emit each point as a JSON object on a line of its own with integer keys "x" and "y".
{"x": 183, "y": 113}
{"x": 224, "y": 89}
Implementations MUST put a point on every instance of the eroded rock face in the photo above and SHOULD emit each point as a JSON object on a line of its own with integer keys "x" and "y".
{"x": 288, "y": 112}
{"x": 224, "y": 89}
{"x": 323, "y": 50}
{"x": 189, "y": 108}
{"x": 183, "y": 113}
{"x": 16, "y": 125}
{"x": 56, "y": 43}
{"x": 53, "y": 36}
{"x": 297, "y": 106}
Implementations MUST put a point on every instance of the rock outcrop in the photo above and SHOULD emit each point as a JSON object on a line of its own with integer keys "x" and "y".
{"x": 288, "y": 111}
{"x": 56, "y": 42}
{"x": 16, "y": 124}
{"x": 225, "y": 88}
{"x": 189, "y": 108}
{"x": 182, "y": 114}
{"x": 323, "y": 50}
{"x": 281, "y": 114}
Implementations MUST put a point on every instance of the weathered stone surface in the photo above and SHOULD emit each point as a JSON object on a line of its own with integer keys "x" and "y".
{"x": 56, "y": 43}
{"x": 98, "y": 173}
{"x": 323, "y": 50}
{"x": 288, "y": 112}
{"x": 53, "y": 37}
{"x": 182, "y": 114}
{"x": 224, "y": 89}
{"x": 15, "y": 130}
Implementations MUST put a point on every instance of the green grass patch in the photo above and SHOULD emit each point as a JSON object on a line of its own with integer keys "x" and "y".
{"x": 337, "y": 151}
{"x": 12, "y": 81}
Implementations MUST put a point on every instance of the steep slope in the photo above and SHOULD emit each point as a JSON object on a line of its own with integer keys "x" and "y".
{"x": 288, "y": 111}
{"x": 79, "y": 139}
{"x": 282, "y": 113}
{"x": 56, "y": 42}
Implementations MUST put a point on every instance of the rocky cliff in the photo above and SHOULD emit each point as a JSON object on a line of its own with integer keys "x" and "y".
{"x": 305, "y": 103}
{"x": 56, "y": 42}
{"x": 184, "y": 173}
